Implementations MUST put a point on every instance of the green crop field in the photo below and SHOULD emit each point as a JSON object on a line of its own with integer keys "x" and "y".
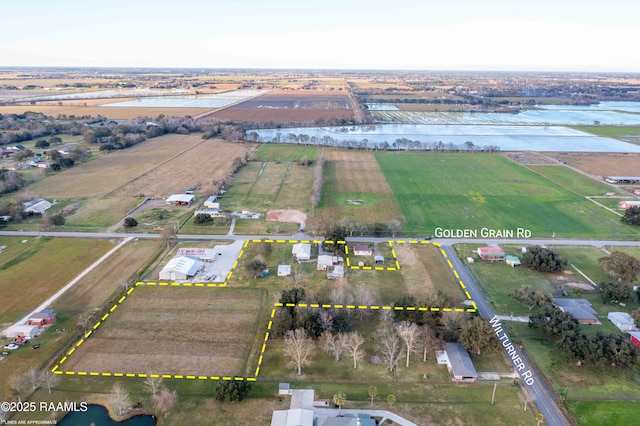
{"x": 574, "y": 181}
{"x": 625, "y": 133}
{"x": 274, "y": 152}
{"x": 31, "y": 272}
{"x": 470, "y": 191}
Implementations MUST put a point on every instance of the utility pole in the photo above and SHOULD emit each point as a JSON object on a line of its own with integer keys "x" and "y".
{"x": 493, "y": 396}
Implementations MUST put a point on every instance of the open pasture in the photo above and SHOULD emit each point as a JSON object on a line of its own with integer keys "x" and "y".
{"x": 31, "y": 272}
{"x": 286, "y": 115}
{"x": 470, "y": 191}
{"x": 298, "y": 99}
{"x": 285, "y": 153}
{"x": 604, "y": 164}
{"x": 176, "y": 330}
{"x": 574, "y": 181}
{"x": 356, "y": 188}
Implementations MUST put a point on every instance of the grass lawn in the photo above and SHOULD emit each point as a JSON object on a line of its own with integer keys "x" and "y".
{"x": 274, "y": 152}
{"x": 430, "y": 187}
{"x": 33, "y": 271}
{"x": 590, "y": 412}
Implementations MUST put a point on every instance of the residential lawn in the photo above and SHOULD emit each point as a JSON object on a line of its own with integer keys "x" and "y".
{"x": 574, "y": 181}
{"x": 262, "y": 227}
{"x": 99, "y": 213}
{"x": 586, "y": 260}
{"x": 191, "y": 228}
{"x": 274, "y": 152}
{"x": 603, "y": 413}
{"x": 470, "y": 191}
{"x": 36, "y": 269}
{"x": 157, "y": 218}
{"x": 583, "y": 382}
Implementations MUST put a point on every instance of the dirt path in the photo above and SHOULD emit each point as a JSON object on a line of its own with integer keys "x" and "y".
{"x": 71, "y": 283}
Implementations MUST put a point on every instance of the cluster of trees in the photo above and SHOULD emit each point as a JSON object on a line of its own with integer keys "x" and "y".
{"x": 614, "y": 350}
{"x": 10, "y": 181}
{"x": 399, "y": 144}
{"x": 318, "y": 181}
{"x": 632, "y": 216}
{"x": 531, "y": 297}
{"x": 616, "y": 292}
{"x": 326, "y": 224}
{"x": 621, "y": 266}
{"x": 399, "y": 333}
{"x": 232, "y": 390}
{"x": 543, "y": 259}
{"x": 31, "y": 380}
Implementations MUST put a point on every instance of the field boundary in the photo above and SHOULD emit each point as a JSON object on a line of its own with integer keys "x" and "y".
{"x": 57, "y": 369}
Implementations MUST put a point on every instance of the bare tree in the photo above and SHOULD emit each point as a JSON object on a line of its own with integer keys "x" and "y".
{"x": 326, "y": 320}
{"x": 49, "y": 379}
{"x": 168, "y": 236}
{"x": 334, "y": 344}
{"x": 394, "y": 226}
{"x": 298, "y": 348}
{"x": 18, "y": 382}
{"x": 165, "y": 401}
{"x": 408, "y": 332}
{"x": 153, "y": 385}
{"x": 119, "y": 398}
{"x": 363, "y": 296}
{"x": 428, "y": 341}
{"x": 353, "y": 346}
{"x": 297, "y": 276}
{"x": 32, "y": 376}
{"x": 390, "y": 347}
{"x": 386, "y": 316}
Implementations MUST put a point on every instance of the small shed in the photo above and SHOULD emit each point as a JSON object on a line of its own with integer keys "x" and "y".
{"x": 378, "y": 260}
{"x": 622, "y": 320}
{"x": 211, "y": 203}
{"x": 284, "y": 270}
{"x": 513, "y": 261}
{"x": 27, "y": 331}
{"x": 284, "y": 389}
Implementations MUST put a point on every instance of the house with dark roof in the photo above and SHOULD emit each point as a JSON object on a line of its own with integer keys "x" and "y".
{"x": 580, "y": 308}
{"x": 458, "y": 362}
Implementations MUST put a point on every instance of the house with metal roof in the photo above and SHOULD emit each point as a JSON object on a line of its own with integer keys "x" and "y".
{"x": 458, "y": 362}
{"x": 580, "y": 308}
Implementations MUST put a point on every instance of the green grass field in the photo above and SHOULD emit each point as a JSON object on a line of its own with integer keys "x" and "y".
{"x": 469, "y": 191}
{"x": 625, "y": 133}
{"x": 286, "y": 153}
{"x": 574, "y": 181}
{"x": 32, "y": 271}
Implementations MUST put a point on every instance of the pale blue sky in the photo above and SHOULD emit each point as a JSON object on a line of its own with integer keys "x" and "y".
{"x": 585, "y": 35}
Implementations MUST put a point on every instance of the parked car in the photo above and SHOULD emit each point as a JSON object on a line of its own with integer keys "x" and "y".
{"x": 36, "y": 346}
{"x": 11, "y": 347}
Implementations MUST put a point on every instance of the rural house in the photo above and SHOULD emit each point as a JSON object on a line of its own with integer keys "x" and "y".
{"x": 491, "y": 253}
{"x": 37, "y": 206}
{"x": 362, "y": 250}
{"x": 628, "y": 204}
{"x": 181, "y": 199}
{"x": 209, "y": 212}
{"x": 326, "y": 261}
{"x": 301, "y": 251}
{"x": 211, "y": 203}
{"x": 458, "y": 362}
{"x": 623, "y": 321}
{"x": 181, "y": 268}
{"x": 580, "y": 308}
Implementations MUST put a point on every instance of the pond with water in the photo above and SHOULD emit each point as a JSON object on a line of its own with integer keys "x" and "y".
{"x": 99, "y": 416}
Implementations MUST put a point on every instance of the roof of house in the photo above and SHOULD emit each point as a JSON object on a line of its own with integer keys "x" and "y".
{"x": 579, "y": 308}
{"x": 40, "y": 207}
{"x": 181, "y": 198}
{"x": 361, "y": 247}
{"x": 186, "y": 265}
{"x": 460, "y": 361}
{"x": 211, "y": 199}
{"x": 491, "y": 250}
{"x": 292, "y": 417}
{"x": 620, "y": 317}
{"x": 42, "y": 315}
{"x": 301, "y": 250}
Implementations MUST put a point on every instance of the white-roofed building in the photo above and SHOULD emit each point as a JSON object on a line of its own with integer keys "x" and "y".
{"x": 301, "y": 251}
{"x": 622, "y": 320}
{"x": 284, "y": 270}
{"x": 181, "y": 199}
{"x": 204, "y": 254}
{"x": 39, "y": 207}
{"x": 181, "y": 268}
{"x": 293, "y": 417}
{"x": 211, "y": 203}
{"x": 28, "y": 331}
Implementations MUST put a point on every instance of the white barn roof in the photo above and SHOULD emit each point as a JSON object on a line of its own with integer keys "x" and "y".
{"x": 181, "y": 198}
{"x": 180, "y": 267}
{"x": 23, "y": 330}
{"x": 39, "y": 208}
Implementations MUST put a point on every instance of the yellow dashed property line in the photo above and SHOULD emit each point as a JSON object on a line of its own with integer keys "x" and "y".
{"x": 467, "y": 293}
{"x": 437, "y": 244}
{"x": 449, "y": 263}
{"x": 245, "y": 244}
{"x": 241, "y": 254}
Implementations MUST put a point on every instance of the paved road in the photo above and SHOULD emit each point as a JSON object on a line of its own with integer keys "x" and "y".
{"x": 530, "y": 376}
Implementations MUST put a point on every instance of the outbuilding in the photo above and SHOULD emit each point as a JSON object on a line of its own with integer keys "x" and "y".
{"x": 44, "y": 317}
{"x": 26, "y": 331}
{"x": 622, "y": 320}
{"x": 635, "y": 338}
{"x": 37, "y": 207}
{"x": 301, "y": 251}
{"x": 181, "y": 268}
{"x": 284, "y": 270}
{"x": 628, "y": 204}
{"x": 181, "y": 199}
